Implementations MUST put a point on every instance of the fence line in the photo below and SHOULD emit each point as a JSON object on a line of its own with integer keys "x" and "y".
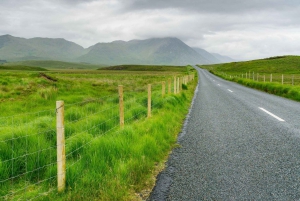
{"x": 31, "y": 152}
{"x": 290, "y": 79}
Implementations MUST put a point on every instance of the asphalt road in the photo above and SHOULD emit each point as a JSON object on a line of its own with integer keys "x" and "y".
{"x": 237, "y": 144}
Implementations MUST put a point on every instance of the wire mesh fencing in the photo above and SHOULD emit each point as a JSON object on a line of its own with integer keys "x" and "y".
{"x": 29, "y": 146}
{"x": 284, "y": 79}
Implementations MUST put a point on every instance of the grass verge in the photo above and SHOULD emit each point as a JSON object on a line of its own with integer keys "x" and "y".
{"x": 287, "y": 91}
{"x": 103, "y": 163}
{"x": 266, "y": 74}
{"x": 117, "y": 165}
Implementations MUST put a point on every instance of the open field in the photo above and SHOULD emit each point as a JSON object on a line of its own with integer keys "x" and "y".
{"x": 276, "y": 75}
{"x": 145, "y": 68}
{"x": 103, "y": 162}
{"x": 48, "y": 64}
{"x": 21, "y": 68}
{"x": 275, "y": 65}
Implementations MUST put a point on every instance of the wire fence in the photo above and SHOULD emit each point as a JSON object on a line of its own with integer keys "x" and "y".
{"x": 29, "y": 159}
{"x": 290, "y": 79}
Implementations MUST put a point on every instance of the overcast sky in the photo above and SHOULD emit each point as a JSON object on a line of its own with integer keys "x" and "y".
{"x": 241, "y": 29}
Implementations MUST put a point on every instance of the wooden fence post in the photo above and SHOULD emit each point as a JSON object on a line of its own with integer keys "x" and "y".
{"x": 264, "y": 78}
{"x": 169, "y": 86}
{"x": 181, "y": 82}
{"x": 121, "y": 106}
{"x": 292, "y": 79}
{"x": 149, "y": 100}
{"x": 282, "y": 79}
{"x": 271, "y": 78}
{"x": 175, "y": 85}
{"x": 253, "y": 76}
{"x": 60, "y": 142}
{"x": 178, "y": 89}
{"x": 163, "y": 88}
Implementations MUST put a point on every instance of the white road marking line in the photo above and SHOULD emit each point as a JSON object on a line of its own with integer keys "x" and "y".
{"x": 229, "y": 90}
{"x": 271, "y": 114}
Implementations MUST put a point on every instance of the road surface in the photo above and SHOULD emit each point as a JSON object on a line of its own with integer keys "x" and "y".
{"x": 238, "y": 144}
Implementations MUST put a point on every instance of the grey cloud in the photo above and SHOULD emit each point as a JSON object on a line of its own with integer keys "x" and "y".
{"x": 212, "y": 6}
{"x": 237, "y": 28}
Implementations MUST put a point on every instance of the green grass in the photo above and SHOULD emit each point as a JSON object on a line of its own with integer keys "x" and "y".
{"x": 48, "y": 64}
{"x": 145, "y": 68}
{"x": 103, "y": 161}
{"x": 21, "y": 68}
{"x": 274, "y": 65}
{"x": 264, "y": 71}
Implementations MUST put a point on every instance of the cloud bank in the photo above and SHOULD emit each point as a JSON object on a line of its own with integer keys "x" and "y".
{"x": 240, "y": 29}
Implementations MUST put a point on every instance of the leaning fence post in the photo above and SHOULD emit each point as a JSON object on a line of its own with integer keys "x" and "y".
{"x": 163, "y": 88}
{"x": 60, "y": 142}
{"x": 149, "y": 100}
{"x": 121, "y": 105}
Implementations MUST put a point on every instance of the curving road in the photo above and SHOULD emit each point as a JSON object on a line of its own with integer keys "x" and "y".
{"x": 237, "y": 144}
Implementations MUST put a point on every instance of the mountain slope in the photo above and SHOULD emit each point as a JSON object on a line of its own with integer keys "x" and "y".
{"x": 211, "y": 58}
{"x": 14, "y": 48}
{"x": 222, "y": 58}
{"x": 171, "y": 51}
{"x": 154, "y": 51}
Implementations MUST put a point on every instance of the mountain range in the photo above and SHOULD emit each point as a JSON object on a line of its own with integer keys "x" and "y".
{"x": 155, "y": 51}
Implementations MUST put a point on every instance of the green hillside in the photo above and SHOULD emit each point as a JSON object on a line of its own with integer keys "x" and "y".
{"x": 276, "y": 75}
{"x": 54, "y": 65}
{"x": 20, "y": 49}
{"x": 156, "y": 51}
{"x": 21, "y": 68}
{"x": 146, "y": 68}
{"x": 153, "y": 51}
{"x": 280, "y": 64}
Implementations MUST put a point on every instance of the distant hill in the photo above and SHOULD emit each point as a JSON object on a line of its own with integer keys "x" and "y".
{"x": 21, "y": 68}
{"x": 162, "y": 51}
{"x": 146, "y": 68}
{"x": 19, "y": 49}
{"x": 211, "y": 59}
{"x": 279, "y": 64}
{"x": 154, "y": 51}
{"x": 222, "y": 58}
{"x": 54, "y": 64}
